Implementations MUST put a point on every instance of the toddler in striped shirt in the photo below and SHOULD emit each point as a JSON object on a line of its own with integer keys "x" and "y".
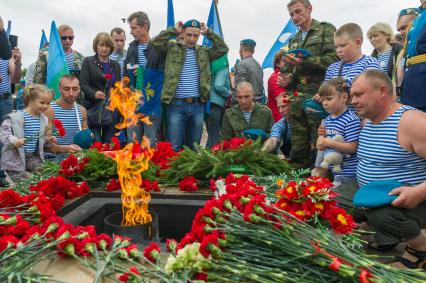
{"x": 341, "y": 121}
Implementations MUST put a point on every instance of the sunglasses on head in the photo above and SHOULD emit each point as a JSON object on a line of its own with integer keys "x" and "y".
{"x": 67, "y": 37}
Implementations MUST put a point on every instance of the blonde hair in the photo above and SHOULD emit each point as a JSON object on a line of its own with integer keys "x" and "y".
{"x": 337, "y": 84}
{"x": 33, "y": 91}
{"x": 63, "y": 28}
{"x": 353, "y": 30}
{"x": 384, "y": 28}
{"x": 103, "y": 38}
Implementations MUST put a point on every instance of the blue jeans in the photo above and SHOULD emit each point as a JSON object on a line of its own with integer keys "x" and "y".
{"x": 6, "y": 107}
{"x": 150, "y": 131}
{"x": 184, "y": 123}
{"x": 214, "y": 124}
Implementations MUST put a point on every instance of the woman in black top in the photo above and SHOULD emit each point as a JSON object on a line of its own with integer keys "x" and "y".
{"x": 98, "y": 75}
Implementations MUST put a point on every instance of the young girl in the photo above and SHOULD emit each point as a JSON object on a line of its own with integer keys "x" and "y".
{"x": 341, "y": 121}
{"x": 23, "y": 134}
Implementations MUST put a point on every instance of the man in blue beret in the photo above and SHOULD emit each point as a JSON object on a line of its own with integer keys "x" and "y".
{"x": 249, "y": 70}
{"x": 187, "y": 79}
{"x": 405, "y": 18}
{"x": 414, "y": 83}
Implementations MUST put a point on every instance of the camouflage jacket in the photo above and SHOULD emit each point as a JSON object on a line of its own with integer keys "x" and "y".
{"x": 234, "y": 122}
{"x": 308, "y": 76}
{"x": 40, "y": 74}
{"x": 175, "y": 59}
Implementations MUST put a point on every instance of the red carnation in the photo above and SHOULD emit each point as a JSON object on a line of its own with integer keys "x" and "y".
{"x": 113, "y": 185}
{"x": 108, "y": 76}
{"x": 188, "y": 184}
{"x": 59, "y": 127}
{"x": 152, "y": 252}
{"x": 171, "y": 245}
{"x": 124, "y": 277}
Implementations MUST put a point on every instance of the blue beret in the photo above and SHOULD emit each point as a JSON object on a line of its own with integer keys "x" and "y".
{"x": 254, "y": 133}
{"x": 409, "y": 11}
{"x": 84, "y": 138}
{"x": 375, "y": 193}
{"x": 248, "y": 42}
{"x": 192, "y": 24}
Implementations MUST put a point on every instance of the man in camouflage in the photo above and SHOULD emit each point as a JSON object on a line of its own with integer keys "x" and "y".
{"x": 66, "y": 34}
{"x": 303, "y": 76}
{"x": 247, "y": 114}
{"x": 187, "y": 79}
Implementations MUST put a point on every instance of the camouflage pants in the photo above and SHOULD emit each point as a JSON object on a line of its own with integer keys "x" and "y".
{"x": 304, "y": 127}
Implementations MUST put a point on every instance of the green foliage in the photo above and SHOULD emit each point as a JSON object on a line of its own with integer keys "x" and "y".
{"x": 205, "y": 164}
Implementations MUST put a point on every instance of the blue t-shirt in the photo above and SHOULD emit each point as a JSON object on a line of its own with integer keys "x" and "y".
{"x": 348, "y": 125}
{"x": 141, "y": 55}
{"x": 281, "y": 129}
{"x": 384, "y": 60}
{"x": 189, "y": 79}
{"x": 350, "y": 71}
{"x": 5, "y": 79}
{"x": 31, "y": 132}
{"x": 69, "y": 58}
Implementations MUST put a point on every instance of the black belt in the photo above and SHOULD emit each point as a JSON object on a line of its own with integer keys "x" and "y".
{"x": 189, "y": 99}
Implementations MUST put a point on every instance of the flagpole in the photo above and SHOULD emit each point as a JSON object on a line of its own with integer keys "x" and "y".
{"x": 218, "y": 17}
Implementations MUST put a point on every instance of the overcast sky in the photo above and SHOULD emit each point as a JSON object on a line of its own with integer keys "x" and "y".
{"x": 261, "y": 20}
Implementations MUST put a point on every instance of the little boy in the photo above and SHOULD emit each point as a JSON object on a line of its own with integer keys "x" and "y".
{"x": 348, "y": 41}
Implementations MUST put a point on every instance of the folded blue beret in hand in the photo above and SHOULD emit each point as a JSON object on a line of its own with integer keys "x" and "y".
{"x": 83, "y": 139}
{"x": 254, "y": 133}
{"x": 376, "y": 194}
{"x": 312, "y": 106}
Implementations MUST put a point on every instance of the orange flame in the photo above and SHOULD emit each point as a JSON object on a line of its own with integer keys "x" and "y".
{"x": 131, "y": 162}
{"x": 133, "y": 159}
{"x": 126, "y": 102}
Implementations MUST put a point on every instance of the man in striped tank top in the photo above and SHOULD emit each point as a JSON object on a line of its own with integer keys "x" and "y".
{"x": 187, "y": 79}
{"x": 10, "y": 72}
{"x": 64, "y": 109}
{"x": 392, "y": 146}
{"x": 73, "y": 58}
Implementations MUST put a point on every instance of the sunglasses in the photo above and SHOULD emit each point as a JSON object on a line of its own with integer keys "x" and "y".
{"x": 67, "y": 37}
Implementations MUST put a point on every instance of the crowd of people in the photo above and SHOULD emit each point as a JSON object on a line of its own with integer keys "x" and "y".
{"x": 328, "y": 106}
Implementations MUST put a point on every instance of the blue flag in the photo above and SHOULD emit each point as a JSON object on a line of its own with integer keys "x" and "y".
{"x": 152, "y": 85}
{"x": 9, "y": 27}
{"x": 56, "y": 63}
{"x": 288, "y": 32}
{"x": 170, "y": 14}
{"x": 213, "y": 23}
{"x": 43, "y": 39}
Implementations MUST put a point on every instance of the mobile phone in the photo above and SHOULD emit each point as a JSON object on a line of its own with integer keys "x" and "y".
{"x": 13, "y": 40}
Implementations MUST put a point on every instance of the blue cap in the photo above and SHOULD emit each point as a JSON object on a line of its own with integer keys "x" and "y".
{"x": 248, "y": 42}
{"x": 192, "y": 24}
{"x": 409, "y": 11}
